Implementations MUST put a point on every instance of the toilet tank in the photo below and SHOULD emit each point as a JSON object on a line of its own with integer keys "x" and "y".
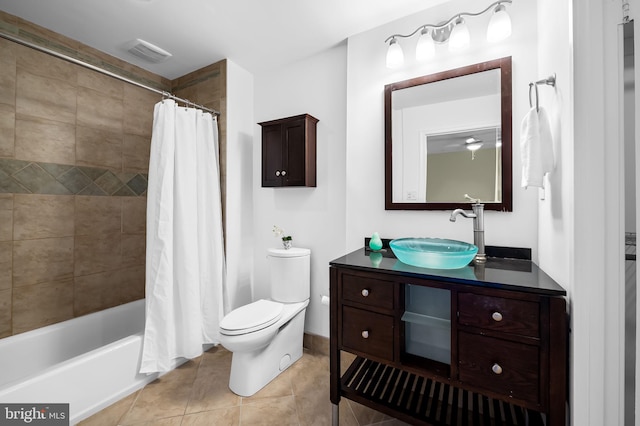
{"x": 289, "y": 274}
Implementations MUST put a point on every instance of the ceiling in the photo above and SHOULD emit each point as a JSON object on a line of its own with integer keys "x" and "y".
{"x": 255, "y": 34}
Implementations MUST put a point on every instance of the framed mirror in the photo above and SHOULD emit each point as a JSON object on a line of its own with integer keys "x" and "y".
{"x": 448, "y": 138}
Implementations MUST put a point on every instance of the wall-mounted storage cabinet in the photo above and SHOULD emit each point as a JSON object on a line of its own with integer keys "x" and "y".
{"x": 289, "y": 151}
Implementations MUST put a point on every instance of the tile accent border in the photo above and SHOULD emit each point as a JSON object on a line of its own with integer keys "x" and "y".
{"x": 26, "y": 177}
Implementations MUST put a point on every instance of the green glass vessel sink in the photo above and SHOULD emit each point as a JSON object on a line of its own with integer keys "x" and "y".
{"x": 434, "y": 253}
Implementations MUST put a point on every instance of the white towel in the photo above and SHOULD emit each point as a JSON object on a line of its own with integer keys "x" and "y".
{"x": 536, "y": 148}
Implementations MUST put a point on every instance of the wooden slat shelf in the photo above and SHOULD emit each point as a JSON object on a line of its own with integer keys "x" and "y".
{"x": 424, "y": 401}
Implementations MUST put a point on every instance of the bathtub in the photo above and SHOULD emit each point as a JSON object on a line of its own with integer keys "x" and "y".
{"x": 89, "y": 362}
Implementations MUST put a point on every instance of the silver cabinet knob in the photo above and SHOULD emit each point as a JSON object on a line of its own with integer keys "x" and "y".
{"x": 284, "y": 173}
{"x": 496, "y": 368}
{"x": 365, "y": 334}
{"x": 277, "y": 172}
{"x": 497, "y": 316}
{"x": 365, "y": 292}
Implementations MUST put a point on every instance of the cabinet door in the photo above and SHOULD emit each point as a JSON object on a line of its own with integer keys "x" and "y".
{"x": 294, "y": 153}
{"x": 272, "y": 155}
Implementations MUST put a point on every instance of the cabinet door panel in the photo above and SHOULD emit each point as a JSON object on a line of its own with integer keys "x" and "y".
{"x": 501, "y": 366}
{"x": 294, "y": 153}
{"x": 367, "y": 332}
{"x": 271, "y": 156}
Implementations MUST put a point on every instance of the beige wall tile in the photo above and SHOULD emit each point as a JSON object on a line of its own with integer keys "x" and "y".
{"x": 98, "y": 215}
{"x": 5, "y": 313}
{"x": 135, "y": 153}
{"x": 94, "y": 255}
{"x": 133, "y": 249}
{"x": 45, "y": 97}
{"x": 134, "y": 215}
{"x": 98, "y": 147}
{"x": 43, "y": 216}
{"x": 7, "y": 130}
{"x": 6, "y": 259}
{"x": 107, "y": 289}
{"x": 40, "y": 33}
{"x": 7, "y": 73}
{"x": 104, "y": 84}
{"x": 98, "y": 111}
{"x": 138, "y": 110}
{"x": 37, "y": 261}
{"x": 6, "y": 217}
{"x": 39, "y": 63}
{"x": 42, "y": 304}
{"x": 47, "y": 141}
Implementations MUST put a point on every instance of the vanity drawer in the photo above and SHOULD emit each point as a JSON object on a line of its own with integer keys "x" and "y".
{"x": 500, "y": 314}
{"x": 508, "y": 368}
{"x": 367, "y": 332}
{"x": 369, "y": 291}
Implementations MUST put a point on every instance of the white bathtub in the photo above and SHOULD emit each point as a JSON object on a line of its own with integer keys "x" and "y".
{"x": 89, "y": 362}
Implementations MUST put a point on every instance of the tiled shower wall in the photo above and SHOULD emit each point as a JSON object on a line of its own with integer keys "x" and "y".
{"x": 74, "y": 153}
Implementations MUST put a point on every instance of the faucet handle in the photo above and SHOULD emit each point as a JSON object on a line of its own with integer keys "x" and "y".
{"x": 471, "y": 199}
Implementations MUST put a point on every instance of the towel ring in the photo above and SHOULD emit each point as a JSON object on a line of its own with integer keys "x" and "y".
{"x": 550, "y": 81}
{"x": 532, "y": 85}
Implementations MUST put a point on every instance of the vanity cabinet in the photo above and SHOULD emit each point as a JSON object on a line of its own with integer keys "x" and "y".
{"x": 289, "y": 151}
{"x": 484, "y": 345}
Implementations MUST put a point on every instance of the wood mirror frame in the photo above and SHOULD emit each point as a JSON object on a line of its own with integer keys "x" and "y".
{"x": 505, "y": 204}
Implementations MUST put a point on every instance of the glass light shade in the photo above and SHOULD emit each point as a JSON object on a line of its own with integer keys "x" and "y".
{"x": 426, "y": 48}
{"x": 474, "y": 146}
{"x": 460, "y": 37}
{"x": 500, "y": 25}
{"x": 395, "y": 57}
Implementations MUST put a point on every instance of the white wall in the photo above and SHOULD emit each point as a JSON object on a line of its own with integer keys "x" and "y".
{"x": 240, "y": 170}
{"x": 366, "y": 77}
{"x": 315, "y": 217}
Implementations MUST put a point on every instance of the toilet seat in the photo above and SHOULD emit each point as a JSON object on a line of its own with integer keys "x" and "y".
{"x": 252, "y": 317}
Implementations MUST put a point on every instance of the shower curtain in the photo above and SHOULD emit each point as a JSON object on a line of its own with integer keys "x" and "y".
{"x": 185, "y": 266}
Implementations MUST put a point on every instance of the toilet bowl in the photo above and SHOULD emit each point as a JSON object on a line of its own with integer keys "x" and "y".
{"x": 265, "y": 336}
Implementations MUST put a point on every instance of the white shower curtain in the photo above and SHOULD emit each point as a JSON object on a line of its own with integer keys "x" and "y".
{"x": 185, "y": 267}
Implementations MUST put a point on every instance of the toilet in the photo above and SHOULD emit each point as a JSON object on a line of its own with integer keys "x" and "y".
{"x": 265, "y": 336}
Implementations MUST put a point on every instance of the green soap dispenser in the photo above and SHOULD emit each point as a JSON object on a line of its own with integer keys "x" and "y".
{"x": 375, "y": 243}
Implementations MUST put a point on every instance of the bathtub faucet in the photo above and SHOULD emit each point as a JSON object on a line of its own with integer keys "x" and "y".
{"x": 478, "y": 226}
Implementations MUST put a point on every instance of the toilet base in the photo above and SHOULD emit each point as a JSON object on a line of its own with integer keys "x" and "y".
{"x": 251, "y": 371}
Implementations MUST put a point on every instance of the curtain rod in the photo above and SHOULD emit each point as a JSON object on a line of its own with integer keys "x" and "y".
{"x": 165, "y": 95}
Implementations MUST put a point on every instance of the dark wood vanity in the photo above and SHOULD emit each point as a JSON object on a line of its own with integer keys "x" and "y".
{"x": 480, "y": 345}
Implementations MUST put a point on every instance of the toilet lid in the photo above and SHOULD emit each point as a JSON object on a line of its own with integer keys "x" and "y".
{"x": 252, "y": 317}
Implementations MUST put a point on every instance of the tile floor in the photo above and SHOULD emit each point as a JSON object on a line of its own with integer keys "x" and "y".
{"x": 197, "y": 394}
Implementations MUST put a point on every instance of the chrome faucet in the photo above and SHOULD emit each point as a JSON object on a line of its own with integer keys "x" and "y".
{"x": 478, "y": 226}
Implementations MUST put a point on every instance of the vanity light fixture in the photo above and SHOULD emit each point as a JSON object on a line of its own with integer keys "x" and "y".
{"x": 454, "y": 31}
{"x": 395, "y": 57}
{"x": 473, "y": 144}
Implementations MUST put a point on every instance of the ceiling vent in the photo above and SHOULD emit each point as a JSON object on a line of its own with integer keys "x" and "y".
{"x": 147, "y": 51}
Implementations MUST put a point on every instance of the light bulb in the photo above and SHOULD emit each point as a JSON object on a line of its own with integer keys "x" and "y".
{"x": 500, "y": 25}
{"x": 426, "y": 48}
{"x": 460, "y": 38}
{"x": 395, "y": 57}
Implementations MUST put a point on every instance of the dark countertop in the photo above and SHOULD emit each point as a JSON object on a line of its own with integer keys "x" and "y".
{"x": 507, "y": 274}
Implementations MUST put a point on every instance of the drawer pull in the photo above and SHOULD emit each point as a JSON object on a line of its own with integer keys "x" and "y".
{"x": 496, "y": 368}
{"x": 497, "y": 316}
{"x": 365, "y": 334}
{"x": 365, "y": 292}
